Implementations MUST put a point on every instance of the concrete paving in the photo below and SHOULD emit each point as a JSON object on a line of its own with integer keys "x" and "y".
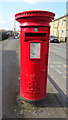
{"x": 12, "y": 105}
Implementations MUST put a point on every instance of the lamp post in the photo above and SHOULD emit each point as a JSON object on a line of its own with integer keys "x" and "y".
{"x": 14, "y": 28}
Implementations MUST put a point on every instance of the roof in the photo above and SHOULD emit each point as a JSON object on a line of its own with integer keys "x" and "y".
{"x": 61, "y": 17}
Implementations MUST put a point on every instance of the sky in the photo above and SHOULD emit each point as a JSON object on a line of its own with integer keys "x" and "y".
{"x": 9, "y": 9}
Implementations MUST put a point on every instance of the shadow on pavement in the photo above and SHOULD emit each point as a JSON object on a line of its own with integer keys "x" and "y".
{"x": 10, "y": 82}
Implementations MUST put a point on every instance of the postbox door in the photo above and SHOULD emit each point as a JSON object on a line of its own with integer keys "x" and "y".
{"x": 34, "y": 66}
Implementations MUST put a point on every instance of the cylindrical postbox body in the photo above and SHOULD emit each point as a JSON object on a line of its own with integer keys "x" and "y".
{"x": 34, "y": 46}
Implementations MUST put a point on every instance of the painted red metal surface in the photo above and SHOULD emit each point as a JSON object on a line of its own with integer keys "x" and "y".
{"x": 33, "y": 70}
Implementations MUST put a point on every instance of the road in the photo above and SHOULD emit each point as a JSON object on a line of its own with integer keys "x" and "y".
{"x": 57, "y": 64}
{"x": 12, "y": 106}
{"x": 58, "y": 67}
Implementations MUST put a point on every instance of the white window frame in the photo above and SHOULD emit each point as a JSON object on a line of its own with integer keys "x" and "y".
{"x": 62, "y": 32}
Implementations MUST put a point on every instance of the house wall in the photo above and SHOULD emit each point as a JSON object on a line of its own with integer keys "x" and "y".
{"x": 59, "y": 28}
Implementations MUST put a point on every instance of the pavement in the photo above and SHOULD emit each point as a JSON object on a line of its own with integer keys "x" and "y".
{"x": 54, "y": 104}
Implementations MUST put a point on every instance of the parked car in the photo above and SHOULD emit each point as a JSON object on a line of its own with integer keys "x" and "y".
{"x": 17, "y": 36}
{"x": 5, "y": 35}
{"x": 53, "y": 39}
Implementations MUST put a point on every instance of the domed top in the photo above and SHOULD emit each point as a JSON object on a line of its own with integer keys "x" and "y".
{"x": 34, "y": 18}
{"x": 36, "y": 13}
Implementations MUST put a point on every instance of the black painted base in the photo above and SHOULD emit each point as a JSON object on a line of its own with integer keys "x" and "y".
{"x": 33, "y": 101}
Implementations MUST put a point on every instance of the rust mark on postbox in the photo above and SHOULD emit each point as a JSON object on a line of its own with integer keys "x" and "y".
{"x": 34, "y": 47}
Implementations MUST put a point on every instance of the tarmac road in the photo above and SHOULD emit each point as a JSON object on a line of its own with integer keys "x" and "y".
{"x": 58, "y": 67}
{"x": 12, "y": 106}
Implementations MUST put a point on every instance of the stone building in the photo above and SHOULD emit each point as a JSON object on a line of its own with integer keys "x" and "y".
{"x": 59, "y": 28}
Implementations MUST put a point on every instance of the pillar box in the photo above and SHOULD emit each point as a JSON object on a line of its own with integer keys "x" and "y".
{"x": 34, "y": 47}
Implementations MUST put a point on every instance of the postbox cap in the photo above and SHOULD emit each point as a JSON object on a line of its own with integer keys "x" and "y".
{"x": 34, "y": 13}
{"x": 35, "y": 16}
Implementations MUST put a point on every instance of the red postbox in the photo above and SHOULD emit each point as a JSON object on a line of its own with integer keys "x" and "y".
{"x": 34, "y": 46}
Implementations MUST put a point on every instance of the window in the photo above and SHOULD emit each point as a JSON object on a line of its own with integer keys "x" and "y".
{"x": 62, "y": 32}
{"x": 53, "y": 32}
{"x": 63, "y": 22}
{"x": 59, "y": 23}
{"x": 54, "y": 24}
{"x": 58, "y": 33}
{"x": 67, "y": 33}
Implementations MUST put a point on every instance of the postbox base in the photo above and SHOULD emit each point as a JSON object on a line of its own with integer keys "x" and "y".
{"x": 33, "y": 101}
